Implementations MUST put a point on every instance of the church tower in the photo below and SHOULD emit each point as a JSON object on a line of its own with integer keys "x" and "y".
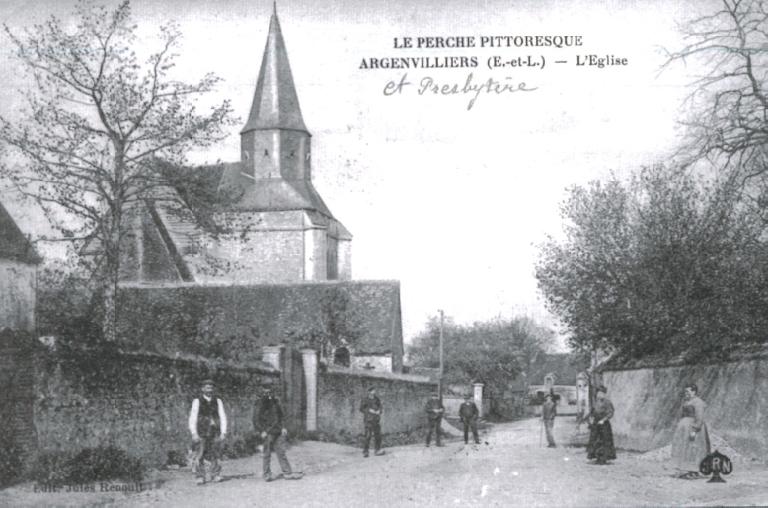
{"x": 273, "y": 181}
{"x": 275, "y": 142}
{"x": 273, "y": 226}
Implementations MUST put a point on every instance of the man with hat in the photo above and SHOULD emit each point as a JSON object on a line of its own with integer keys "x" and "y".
{"x": 469, "y": 414}
{"x": 434, "y": 409}
{"x": 268, "y": 423}
{"x": 548, "y": 413}
{"x": 371, "y": 409}
{"x": 208, "y": 426}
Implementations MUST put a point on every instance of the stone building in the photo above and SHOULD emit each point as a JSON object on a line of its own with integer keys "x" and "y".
{"x": 266, "y": 298}
{"x": 272, "y": 225}
{"x": 18, "y": 284}
{"x": 18, "y": 276}
{"x": 270, "y": 238}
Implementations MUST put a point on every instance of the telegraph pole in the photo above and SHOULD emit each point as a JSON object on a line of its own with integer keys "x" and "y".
{"x": 440, "y": 381}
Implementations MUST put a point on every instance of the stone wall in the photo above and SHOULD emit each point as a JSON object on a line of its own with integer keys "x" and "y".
{"x": 648, "y": 400}
{"x": 452, "y": 405}
{"x": 340, "y": 393}
{"x": 76, "y": 399}
{"x": 17, "y": 394}
{"x": 233, "y": 323}
{"x": 17, "y": 295}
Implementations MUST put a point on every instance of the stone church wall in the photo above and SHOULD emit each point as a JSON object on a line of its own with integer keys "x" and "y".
{"x": 648, "y": 400}
{"x": 258, "y": 257}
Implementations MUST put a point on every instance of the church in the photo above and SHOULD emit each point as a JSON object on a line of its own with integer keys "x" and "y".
{"x": 268, "y": 264}
{"x": 270, "y": 226}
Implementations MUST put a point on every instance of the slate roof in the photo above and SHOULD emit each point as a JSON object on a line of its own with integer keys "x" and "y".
{"x": 275, "y": 102}
{"x": 270, "y": 193}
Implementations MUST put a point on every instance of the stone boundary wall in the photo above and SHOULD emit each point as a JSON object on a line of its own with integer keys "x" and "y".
{"x": 648, "y": 400}
{"x": 139, "y": 402}
{"x": 233, "y": 323}
{"x": 340, "y": 393}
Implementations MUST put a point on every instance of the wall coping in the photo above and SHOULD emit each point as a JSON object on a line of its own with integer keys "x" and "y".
{"x": 741, "y": 354}
{"x": 221, "y": 284}
{"x": 679, "y": 365}
{"x": 392, "y": 376}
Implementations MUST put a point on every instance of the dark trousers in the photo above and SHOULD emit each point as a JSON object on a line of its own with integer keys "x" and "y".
{"x": 470, "y": 424}
{"x": 434, "y": 425}
{"x": 372, "y": 430}
{"x": 276, "y": 443}
{"x": 207, "y": 453}
{"x": 548, "y": 426}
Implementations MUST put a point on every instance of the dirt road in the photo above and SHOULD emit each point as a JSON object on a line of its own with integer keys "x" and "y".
{"x": 508, "y": 469}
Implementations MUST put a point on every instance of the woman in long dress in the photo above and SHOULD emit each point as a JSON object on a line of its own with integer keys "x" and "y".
{"x": 690, "y": 442}
{"x": 600, "y": 445}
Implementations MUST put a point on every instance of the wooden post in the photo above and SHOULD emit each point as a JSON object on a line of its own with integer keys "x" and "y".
{"x": 440, "y": 381}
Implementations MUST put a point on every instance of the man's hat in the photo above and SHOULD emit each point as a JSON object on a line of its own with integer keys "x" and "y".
{"x": 208, "y": 381}
{"x": 371, "y": 389}
{"x": 602, "y": 388}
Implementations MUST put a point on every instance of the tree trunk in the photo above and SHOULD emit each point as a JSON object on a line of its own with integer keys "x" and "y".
{"x": 109, "y": 325}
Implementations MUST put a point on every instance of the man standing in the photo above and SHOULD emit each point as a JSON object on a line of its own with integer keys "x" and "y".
{"x": 371, "y": 409}
{"x": 469, "y": 414}
{"x": 434, "y": 409}
{"x": 548, "y": 413}
{"x": 208, "y": 426}
{"x": 268, "y": 423}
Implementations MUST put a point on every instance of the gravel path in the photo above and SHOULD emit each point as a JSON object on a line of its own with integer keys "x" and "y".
{"x": 508, "y": 469}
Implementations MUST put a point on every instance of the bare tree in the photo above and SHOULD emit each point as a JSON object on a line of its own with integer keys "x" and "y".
{"x": 729, "y": 124}
{"x": 97, "y": 119}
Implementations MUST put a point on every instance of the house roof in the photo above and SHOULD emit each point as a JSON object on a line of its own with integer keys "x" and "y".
{"x": 14, "y": 245}
{"x": 270, "y": 193}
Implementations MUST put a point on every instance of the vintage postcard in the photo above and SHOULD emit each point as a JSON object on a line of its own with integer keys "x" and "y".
{"x": 383, "y": 253}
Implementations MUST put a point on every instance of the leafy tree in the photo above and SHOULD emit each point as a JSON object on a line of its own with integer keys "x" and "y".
{"x": 493, "y": 352}
{"x": 97, "y": 119}
{"x": 668, "y": 263}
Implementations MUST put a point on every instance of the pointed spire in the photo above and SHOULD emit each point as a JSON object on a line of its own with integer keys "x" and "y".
{"x": 275, "y": 103}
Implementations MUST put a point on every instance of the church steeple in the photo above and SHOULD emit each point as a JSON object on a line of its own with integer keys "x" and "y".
{"x": 275, "y": 102}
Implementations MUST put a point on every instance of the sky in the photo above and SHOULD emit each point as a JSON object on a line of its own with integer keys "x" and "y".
{"x": 449, "y": 200}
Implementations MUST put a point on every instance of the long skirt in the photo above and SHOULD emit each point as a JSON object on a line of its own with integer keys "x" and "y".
{"x": 687, "y": 454}
{"x": 600, "y": 444}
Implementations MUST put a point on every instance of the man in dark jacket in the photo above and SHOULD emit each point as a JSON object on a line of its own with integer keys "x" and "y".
{"x": 268, "y": 422}
{"x": 434, "y": 409}
{"x": 371, "y": 409}
{"x": 469, "y": 414}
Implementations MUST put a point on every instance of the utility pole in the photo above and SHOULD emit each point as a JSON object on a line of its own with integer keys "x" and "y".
{"x": 440, "y": 381}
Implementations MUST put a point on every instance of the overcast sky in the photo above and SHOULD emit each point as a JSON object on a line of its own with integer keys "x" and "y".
{"x": 452, "y": 202}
